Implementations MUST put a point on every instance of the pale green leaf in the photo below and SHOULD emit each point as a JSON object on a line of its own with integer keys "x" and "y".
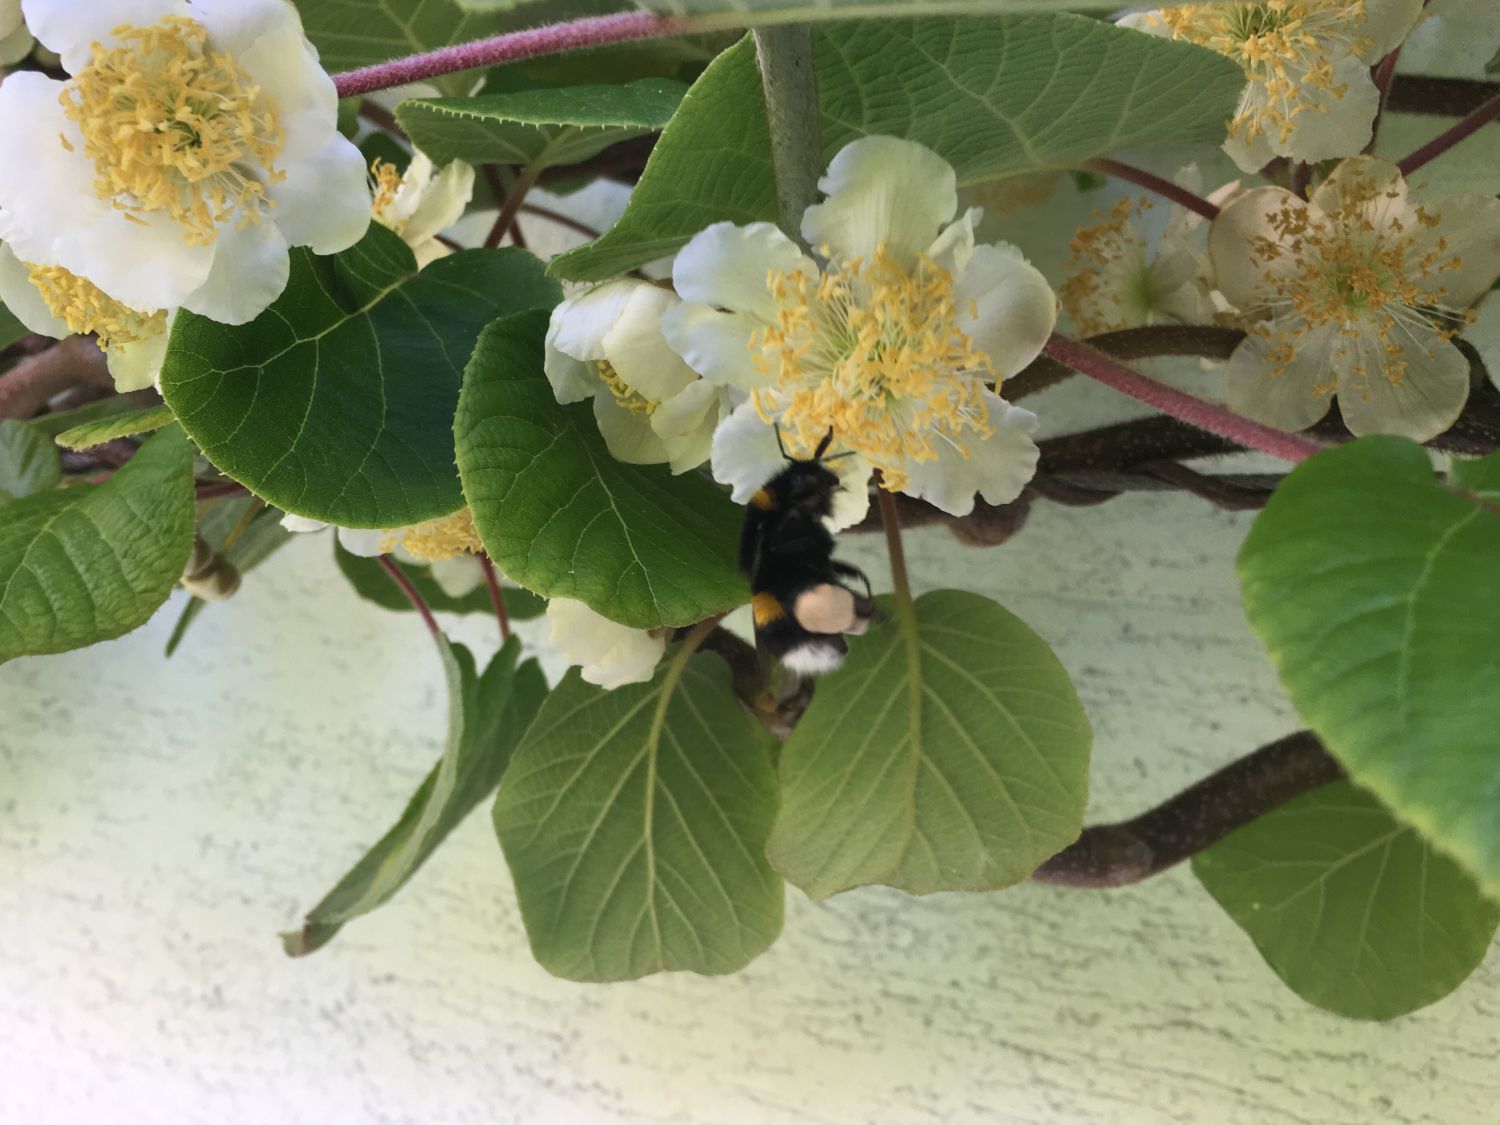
{"x": 949, "y": 753}
{"x": 1372, "y": 585}
{"x": 634, "y": 822}
{"x": 83, "y": 564}
{"x": 124, "y": 424}
{"x": 994, "y": 97}
{"x": 28, "y": 461}
{"x": 1352, "y": 909}
{"x": 564, "y": 518}
{"x": 486, "y": 717}
{"x": 545, "y": 127}
{"x": 337, "y": 402}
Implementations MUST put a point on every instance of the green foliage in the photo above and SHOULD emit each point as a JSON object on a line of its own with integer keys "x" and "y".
{"x": 337, "y": 402}
{"x": 126, "y": 423}
{"x": 994, "y": 97}
{"x": 545, "y": 127}
{"x": 1371, "y": 584}
{"x": 28, "y": 461}
{"x": 11, "y": 329}
{"x": 949, "y": 753}
{"x": 563, "y": 518}
{"x": 354, "y": 33}
{"x": 486, "y": 717}
{"x": 1355, "y": 911}
{"x": 634, "y": 822}
{"x": 371, "y": 582}
{"x": 63, "y": 420}
{"x": 83, "y": 564}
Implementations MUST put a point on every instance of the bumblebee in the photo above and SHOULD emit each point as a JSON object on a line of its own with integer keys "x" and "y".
{"x": 801, "y": 606}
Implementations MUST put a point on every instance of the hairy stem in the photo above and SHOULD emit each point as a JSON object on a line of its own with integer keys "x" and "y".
{"x": 398, "y": 576}
{"x": 890, "y": 521}
{"x": 497, "y": 597}
{"x": 1114, "y": 855}
{"x": 1446, "y": 140}
{"x": 790, "y": 87}
{"x": 510, "y": 204}
{"x": 27, "y": 386}
{"x": 1129, "y": 343}
{"x": 1152, "y": 182}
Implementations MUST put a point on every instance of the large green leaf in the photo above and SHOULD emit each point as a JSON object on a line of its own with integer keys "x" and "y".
{"x": 486, "y": 717}
{"x": 337, "y": 402}
{"x": 634, "y": 822}
{"x": 547, "y": 127}
{"x": 950, "y": 753}
{"x": 255, "y": 541}
{"x": 355, "y": 33}
{"x": 1373, "y": 586}
{"x": 83, "y": 564}
{"x": 371, "y": 582}
{"x": 992, "y": 96}
{"x": 28, "y": 461}
{"x": 126, "y": 423}
{"x": 1355, "y": 911}
{"x": 564, "y": 518}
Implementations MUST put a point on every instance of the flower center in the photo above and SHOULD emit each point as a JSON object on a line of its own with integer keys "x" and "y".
{"x": 444, "y": 538}
{"x": 387, "y": 183}
{"x": 1110, "y": 286}
{"x": 176, "y": 128}
{"x": 84, "y": 307}
{"x": 626, "y": 395}
{"x": 875, "y": 354}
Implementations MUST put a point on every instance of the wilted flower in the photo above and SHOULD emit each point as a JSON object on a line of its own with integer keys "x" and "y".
{"x": 650, "y": 406}
{"x": 1309, "y": 96}
{"x": 417, "y": 205}
{"x": 608, "y": 654}
{"x": 1358, "y": 293}
{"x": 892, "y": 342}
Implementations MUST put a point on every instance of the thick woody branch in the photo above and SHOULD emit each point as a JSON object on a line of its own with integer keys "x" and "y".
{"x": 28, "y": 386}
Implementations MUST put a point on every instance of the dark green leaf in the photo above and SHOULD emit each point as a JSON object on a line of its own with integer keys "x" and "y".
{"x": 1355, "y": 911}
{"x": 1372, "y": 585}
{"x": 28, "y": 461}
{"x": 564, "y": 518}
{"x": 124, "y": 424}
{"x": 950, "y": 753}
{"x": 11, "y": 329}
{"x": 634, "y": 822}
{"x": 83, "y": 564}
{"x": 337, "y": 402}
{"x": 372, "y": 583}
{"x": 486, "y": 717}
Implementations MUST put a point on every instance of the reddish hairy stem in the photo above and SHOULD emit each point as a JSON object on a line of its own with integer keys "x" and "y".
{"x": 509, "y": 205}
{"x": 398, "y": 576}
{"x": 1446, "y": 140}
{"x": 574, "y": 35}
{"x": 1152, "y": 182}
{"x": 1194, "y": 411}
{"x": 497, "y": 596}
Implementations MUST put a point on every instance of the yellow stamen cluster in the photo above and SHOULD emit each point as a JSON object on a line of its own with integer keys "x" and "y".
{"x": 1108, "y": 272}
{"x": 387, "y": 183}
{"x": 443, "y": 538}
{"x": 84, "y": 307}
{"x": 176, "y": 128}
{"x": 626, "y": 395}
{"x": 875, "y": 354}
{"x": 1287, "y": 47}
{"x": 1363, "y": 270}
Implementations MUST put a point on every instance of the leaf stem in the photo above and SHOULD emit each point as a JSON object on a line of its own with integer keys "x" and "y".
{"x": 1194, "y": 411}
{"x": 247, "y": 517}
{"x": 573, "y": 35}
{"x": 1152, "y": 182}
{"x": 890, "y": 522}
{"x": 790, "y": 87}
{"x": 497, "y": 596}
{"x": 398, "y": 576}
{"x": 1447, "y": 139}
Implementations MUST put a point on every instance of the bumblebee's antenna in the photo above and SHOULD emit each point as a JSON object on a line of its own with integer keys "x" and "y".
{"x": 784, "y": 455}
{"x": 823, "y": 445}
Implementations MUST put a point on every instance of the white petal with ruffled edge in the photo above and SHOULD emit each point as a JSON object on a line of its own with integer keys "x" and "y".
{"x": 250, "y": 270}
{"x": 136, "y": 366}
{"x": 56, "y": 194}
{"x": 366, "y": 542}
{"x": 1385, "y": 24}
{"x": 685, "y": 423}
{"x": 324, "y": 202}
{"x": 1425, "y": 401}
{"x": 458, "y": 576}
{"x": 1470, "y": 224}
{"x": 636, "y": 349}
{"x": 24, "y": 301}
{"x": 580, "y": 323}
{"x": 1291, "y": 400}
{"x": 1239, "y": 272}
{"x": 954, "y": 245}
{"x": 1334, "y": 124}
{"x": 607, "y": 653}
{"x": 717, "y": 345}
{"x": 628, "y": 435}
{"x": 726, "y": 267}
{"x": 998, "y": 467}
{"x": 882, "y": 191}
{"x": 70, "y": 28}
{"x": 441, "y": 203}
{"x": 1016, "y": 307}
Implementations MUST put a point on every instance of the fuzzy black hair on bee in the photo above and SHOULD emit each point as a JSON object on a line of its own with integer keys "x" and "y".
{"x": 801, "y": 606}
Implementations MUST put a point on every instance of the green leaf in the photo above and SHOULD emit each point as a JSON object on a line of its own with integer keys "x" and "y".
{"x": 950, "y": 753}
{"x": 486, "y": 717}
{"x": 124, "y": 424}
{"x": 257, "y": 542}
{"x": 1353, "y": 910}
{"x": 1371, "y": 584}
{"x": 992, "y": 96}
{"x": 83, "y": 564}
{"x": 371, "y": 582}
{"x": 634, "y": 822}
{"x": 547, "y": 127}
{"x": 565, "y": 519}
{"x": 337, "y": 402}
{"x": 11, "y": 329}
{"x": 54, "y": 424}
{"x": 28, "y": 461}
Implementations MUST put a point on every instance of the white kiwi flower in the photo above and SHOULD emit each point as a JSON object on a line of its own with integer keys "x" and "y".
{"x": 194, "y": 143}
{"x": 607, "y": 653}
{"x": 448, "y": 546}
{"x": 418, "y": 204}
{"x": 892, "y": 339}
{"x": 607, "y": 344}
{"x": 1355, "y": 292}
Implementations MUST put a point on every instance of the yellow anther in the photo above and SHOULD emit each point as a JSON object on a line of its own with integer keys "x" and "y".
{"x": 626, "y": 395}
{"x": 84, "y": 307}
{"x": 444, "y": 538}
{"x": 387, "y": 179}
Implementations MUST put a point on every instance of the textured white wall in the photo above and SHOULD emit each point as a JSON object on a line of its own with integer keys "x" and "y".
{"x": 159, "y": 822}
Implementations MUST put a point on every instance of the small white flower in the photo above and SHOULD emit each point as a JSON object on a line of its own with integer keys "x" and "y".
{"x": 448, "y": 546}
{"x": 891, "y": 341}
{"x": 651, "y": 407}
{"x": 608, "y": 654}
{"x": 194, "y": 143}
{"x": 418, "y": 205}
{"x": 1309, "y": 96}
{"x": 1357, "y": 292}
{"x": 15, "y": 39}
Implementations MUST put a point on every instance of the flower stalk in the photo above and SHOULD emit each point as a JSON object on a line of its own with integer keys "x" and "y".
{"x": 1154, "y": 183}
{"x": 419, "y": 603}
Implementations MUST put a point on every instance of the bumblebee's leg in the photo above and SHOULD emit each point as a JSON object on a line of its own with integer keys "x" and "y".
{"x": 847, "y": 571}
